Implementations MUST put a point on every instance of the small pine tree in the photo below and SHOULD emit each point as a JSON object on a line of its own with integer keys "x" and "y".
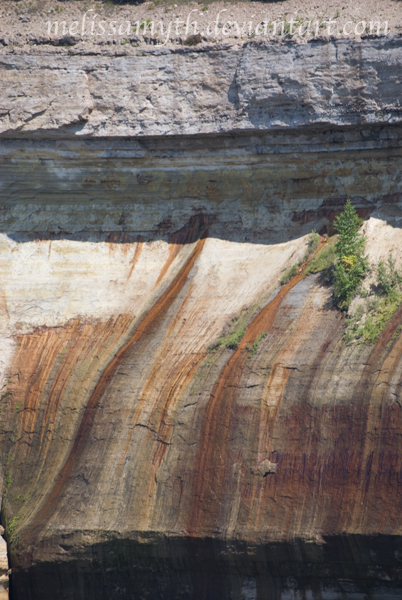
{"x": 351, "y": 264}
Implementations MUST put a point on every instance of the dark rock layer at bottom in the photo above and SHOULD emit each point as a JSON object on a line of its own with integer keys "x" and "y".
{"x": 352, "y": 567}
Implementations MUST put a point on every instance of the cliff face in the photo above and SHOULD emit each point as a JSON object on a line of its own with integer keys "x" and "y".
{"x": 139, "y": 459}
{"x": 185, "y": 92}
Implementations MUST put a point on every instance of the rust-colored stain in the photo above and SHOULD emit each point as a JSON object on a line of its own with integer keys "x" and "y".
{"x": 379, "y": 369}
{"x": 210, "y": 466}
{"x": 173, "y": 252}
{"x": 149, "y": 322}
{"x": 164, "y": 425}
{"x": 187, "y": 234}
{"x": 137, "y": 253}
{"x": 337, "y": 465}
{"x": 54, "y": 354}
{"x": 179, "y": 440}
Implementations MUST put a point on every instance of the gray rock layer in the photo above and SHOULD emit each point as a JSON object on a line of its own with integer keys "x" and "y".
{"x": 255, "y": 86}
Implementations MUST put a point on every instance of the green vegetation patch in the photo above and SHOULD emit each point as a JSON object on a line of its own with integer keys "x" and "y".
{"x": 232, "y": 337}
{"x": 351, "y": 264}
{"x": 325, "y": 258}
{"x": 12, "y": 526}
{"x": 289, "y": 273}
{"x": 378, "y": 306}
{"x": 253, "y": 349}
{"x": 313, "y": 244}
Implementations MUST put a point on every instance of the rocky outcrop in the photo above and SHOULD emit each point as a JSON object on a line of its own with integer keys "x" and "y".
{"x": 142, "y": 457}
{"x": 191, "y": 92}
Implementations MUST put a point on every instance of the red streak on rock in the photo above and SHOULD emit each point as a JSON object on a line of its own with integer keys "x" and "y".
{"x": 210, "y": 463}
{"x": 148, "y": 324}
{"x": 137, "y": 254}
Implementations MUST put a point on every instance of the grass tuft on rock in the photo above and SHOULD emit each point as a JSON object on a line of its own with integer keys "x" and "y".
{"x": 253, "y": 349}
{"x": 289, "y": 274}
{"x": 232, "y": 337}
{"x": 325, "y": 258}
{"x": 313, "y": 244}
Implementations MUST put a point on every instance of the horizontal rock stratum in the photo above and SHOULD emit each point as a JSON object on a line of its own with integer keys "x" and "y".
{"x": 150, "y": 205}
{"x": 255, "y": 86}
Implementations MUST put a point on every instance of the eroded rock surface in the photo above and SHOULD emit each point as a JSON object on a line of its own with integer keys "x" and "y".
{"x": 140, "y": 458}
{"x": 251, "y": 87}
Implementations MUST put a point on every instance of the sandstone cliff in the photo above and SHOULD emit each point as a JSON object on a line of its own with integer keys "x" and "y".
{"x": 143, "y": 217}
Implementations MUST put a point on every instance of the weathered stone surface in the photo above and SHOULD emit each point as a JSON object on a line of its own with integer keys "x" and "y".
{"x": 255, "y": 86}
{"x": 125, "y": 427}
{"x": 138, "y": 461}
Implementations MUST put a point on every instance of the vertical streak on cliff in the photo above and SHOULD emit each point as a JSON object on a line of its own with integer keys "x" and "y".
{"x": 164, "y": 427}
{"x": 196, "y": 228}
{"x": 381, "y": 364}
{"x": 173, "y": 252}
{"x": 76, "y": 348}
{"x": 209, "y": 465}
{"x": 50, "y": 347}
{"x": 137, "y": 254}
{"x": 184, "y": 370}
{"x": 271, "y": 403}
{"x": 72, "y": 353}
{"x": 148, "y": 324}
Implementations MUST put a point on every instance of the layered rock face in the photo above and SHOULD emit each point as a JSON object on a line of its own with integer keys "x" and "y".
{"x": 141, "y": 458}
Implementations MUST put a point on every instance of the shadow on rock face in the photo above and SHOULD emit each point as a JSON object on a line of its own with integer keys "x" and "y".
{"x": 172, "y": 569}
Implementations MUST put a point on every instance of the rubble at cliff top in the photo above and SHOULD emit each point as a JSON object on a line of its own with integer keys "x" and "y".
{"x": 85, "y": 27}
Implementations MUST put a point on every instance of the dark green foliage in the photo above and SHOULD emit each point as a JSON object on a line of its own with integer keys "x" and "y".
{"x": 193, "y": 40}
{"x": 351, "y": 263}
{"x": 368, "y": 322}
{"x": 233, "y": 340}
{"x": 388, "y": 278}
{"x": 347, "y": 225}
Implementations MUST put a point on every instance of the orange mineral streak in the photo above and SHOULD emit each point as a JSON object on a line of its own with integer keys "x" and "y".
{"x": 173, "y": 252}
{"x": 164, "y": 427}
{"x": 191, "y": 231}
{"x": 86, "y": 347}
{"x": 269, "y": 414}
{"x": 375, "y": 379}
{"x": 210, "y": 461}
{"x": 278, "y": 493}
{"x": 35, "y": 360}
{"x": 50, "y": 362}
{"x": 175, "y": 374}
{"x": 137, "y": 253}
{"x": 148, "y": 324}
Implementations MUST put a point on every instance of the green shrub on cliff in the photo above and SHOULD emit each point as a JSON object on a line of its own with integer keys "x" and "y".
{"x": 389, "y": 278}
{"x": 289, "y": 273}
{"x": 232, "y": 335}
{"x": 351, "y": 264}
{"x": 325, "y": 258}
{"x": 369, "y": 320}
{"x": 253, "y": 348}
{"x": 313, "y": 243}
